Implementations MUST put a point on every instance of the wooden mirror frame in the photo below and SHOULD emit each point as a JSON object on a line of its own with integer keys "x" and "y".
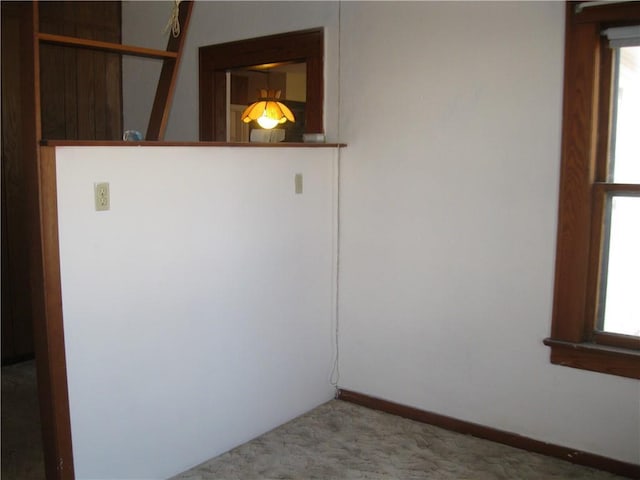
{"x": 214, "y": 60}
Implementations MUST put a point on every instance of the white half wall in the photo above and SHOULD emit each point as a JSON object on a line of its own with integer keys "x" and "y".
{"x": 198, "y": 309}
{"x": 449, "y": 190}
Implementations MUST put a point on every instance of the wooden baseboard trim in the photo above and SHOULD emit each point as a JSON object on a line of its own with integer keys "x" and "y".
{"x": 507, "y": 438}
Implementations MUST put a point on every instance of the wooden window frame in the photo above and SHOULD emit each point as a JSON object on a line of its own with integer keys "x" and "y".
{"x": 574, "y": 340}
{"x": 214, "y": 60}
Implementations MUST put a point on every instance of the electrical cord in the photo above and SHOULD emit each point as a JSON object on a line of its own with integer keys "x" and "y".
{"x": 334, "y": 377}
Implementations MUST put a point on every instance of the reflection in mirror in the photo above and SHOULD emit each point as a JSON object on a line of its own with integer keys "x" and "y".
{"x": 244, "y": 85}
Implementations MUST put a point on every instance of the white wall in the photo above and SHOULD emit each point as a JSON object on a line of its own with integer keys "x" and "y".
{"x": 452, "y": 114}
{"x": 198, "y": 309}
{"x": 211, "y": 23}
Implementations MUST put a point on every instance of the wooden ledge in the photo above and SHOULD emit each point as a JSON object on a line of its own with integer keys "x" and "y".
{"x": 121, "y": 143}
{"x": 595, "y": 357}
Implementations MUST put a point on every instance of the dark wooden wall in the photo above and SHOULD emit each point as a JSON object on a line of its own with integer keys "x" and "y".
{"x": 81, "y": 89}
{"x": 17, "y": 328}
{"x": 81, "y": 99}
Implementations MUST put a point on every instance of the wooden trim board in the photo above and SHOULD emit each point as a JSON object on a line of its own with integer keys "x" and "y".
{"x": 106, "y": 46}
{"x": 145, "y": 143}
{"x": 500, "y": 436}
{"x": 49, "y": 331}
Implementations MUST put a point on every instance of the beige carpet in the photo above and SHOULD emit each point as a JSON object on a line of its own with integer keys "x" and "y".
{"x": 339, "y": 440}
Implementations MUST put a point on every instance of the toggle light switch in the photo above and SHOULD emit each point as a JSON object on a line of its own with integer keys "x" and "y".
{"x": 298, "y": 182}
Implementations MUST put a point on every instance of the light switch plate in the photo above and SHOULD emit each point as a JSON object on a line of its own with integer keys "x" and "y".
{"x": 298, "y": 182}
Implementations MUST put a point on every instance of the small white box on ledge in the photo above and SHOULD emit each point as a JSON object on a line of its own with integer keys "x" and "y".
{"x": 313, "y": 137}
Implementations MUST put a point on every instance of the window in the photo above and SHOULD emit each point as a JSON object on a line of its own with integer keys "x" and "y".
{"x": 596, "y": 314}
{"x": 619, "y": 303}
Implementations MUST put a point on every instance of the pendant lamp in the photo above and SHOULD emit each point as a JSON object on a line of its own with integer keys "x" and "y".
{"x": 268, "y": 110}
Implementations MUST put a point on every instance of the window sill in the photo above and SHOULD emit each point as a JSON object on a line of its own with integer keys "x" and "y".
{"x": 597, "y": 358}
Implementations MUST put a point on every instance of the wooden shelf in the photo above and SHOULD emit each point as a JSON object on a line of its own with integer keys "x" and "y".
{"x": 106, "y": 46}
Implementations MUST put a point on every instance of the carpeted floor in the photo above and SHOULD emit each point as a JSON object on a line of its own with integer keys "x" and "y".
{"x": 22, "y": 457}
{"x": 339, "y": 440}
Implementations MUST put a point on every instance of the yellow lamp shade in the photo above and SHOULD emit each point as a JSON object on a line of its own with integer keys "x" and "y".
{"x": 268, "y": 111}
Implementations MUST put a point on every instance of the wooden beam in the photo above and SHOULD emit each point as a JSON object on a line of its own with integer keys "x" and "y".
{"x": 105, "y": 46}
{"x": 168, "y": 77}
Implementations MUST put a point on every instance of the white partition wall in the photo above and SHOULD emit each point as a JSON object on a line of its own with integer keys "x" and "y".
{"x": 198, "y": 309}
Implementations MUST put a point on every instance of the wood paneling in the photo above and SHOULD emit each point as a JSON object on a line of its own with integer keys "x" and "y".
{"x": 17, "y": 317}
{"x": 81, "y": 89}
{"x": 80, "y": 98}
{"x": 77, "y": 38}
{"x": 239, "y": 89}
